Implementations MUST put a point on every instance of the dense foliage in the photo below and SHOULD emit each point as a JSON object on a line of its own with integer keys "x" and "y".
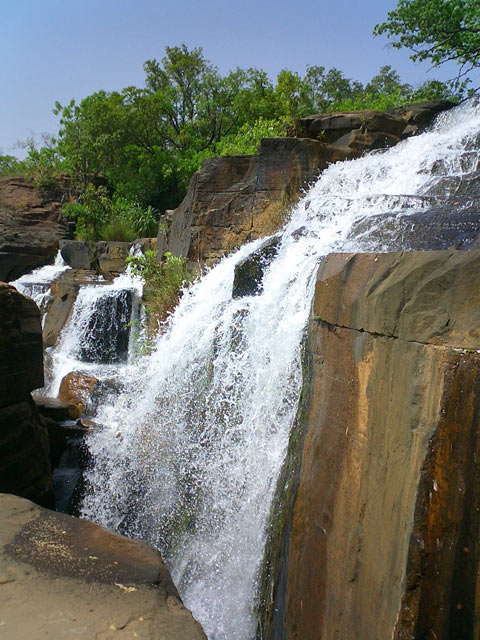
{"x": 163, "y": 282}
{"x": 130, "y": 154}
{"x": 437, "y": 30}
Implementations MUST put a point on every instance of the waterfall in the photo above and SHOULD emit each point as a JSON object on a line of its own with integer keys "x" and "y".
{"x": 191, "y": 450}
{"x": 97, "y": 338}
{"x": 37, "y": 283}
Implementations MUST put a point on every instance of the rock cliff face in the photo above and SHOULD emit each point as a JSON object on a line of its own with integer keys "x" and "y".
{"x": 235, "y": 199}
{"x": 385, "y": 525}
{"x": 31, "y": 227}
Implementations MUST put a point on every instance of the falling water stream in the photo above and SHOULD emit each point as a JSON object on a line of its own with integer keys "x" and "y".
{"x": 37, "y": 283}
{"x": 191, "y": 449}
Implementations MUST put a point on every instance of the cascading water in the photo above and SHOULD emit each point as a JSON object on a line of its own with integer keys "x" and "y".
{"x": 97, "y": 336}
{"x": 191, "y": 450}
{"x": 37, "y": 284}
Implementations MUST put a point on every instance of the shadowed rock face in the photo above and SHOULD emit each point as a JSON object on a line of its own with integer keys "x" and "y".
{"x": 60, "y": 573}
{"x": 24, "y": 450}
{"x": 385, "y": 525}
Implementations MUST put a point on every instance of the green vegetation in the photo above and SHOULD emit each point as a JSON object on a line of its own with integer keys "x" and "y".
{"x": 439, "y": 31}
{"x": 99, "y": 216}
{"x": 129, "y": 155}
{"x": 163, "y": 282}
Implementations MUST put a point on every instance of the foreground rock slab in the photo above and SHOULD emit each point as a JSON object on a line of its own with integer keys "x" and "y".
{"x": 62, "y": 577}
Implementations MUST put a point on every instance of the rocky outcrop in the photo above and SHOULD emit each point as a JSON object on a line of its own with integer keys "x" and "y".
{"x": 234, "y": 199}
{"x": 382, "y": 540}
{"x": 31, "y": 227}
{"x": 370, "y": 129}
{"x": 24, "y": 450}
{"x": 105, "y": 256}
{"x": 61, "y": 576}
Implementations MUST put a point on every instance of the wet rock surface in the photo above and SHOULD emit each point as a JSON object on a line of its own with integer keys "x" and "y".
{"x": 63, "y": 576}
{"x": 77, "y": 388}
{"x": 385, "y": 522}
{"x": 249, "y": 272}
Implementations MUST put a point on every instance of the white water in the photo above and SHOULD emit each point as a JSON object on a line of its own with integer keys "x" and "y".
{"x": 37, "y": 283}
{"x": 191, "y": 450}
{"x": 93, "y": 306}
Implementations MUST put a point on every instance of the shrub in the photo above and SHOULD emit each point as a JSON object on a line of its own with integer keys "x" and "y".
{"x": 99, "y": 217}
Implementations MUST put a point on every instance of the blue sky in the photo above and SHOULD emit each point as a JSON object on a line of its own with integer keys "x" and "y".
{"x": 60, "y": 49}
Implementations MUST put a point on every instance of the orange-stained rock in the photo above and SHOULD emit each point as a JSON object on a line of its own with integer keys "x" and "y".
{"x": 383, "y": 539}
{"x": 76, "y": 388}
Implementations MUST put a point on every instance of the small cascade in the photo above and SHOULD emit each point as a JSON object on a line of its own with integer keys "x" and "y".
{"x": 192, "y": 447}
{"x": 37, "y": 283}
{"x": 97, "y": 338}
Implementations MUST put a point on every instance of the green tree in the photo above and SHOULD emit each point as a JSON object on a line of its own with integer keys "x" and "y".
{"x": 437, "y": 30}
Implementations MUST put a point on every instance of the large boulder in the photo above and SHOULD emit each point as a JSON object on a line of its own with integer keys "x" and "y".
{"x": 31, "y": 227}
{"x": 77, "y": 388}
{"x": 24, "y": 450}
{"x": 62, "y": 576}
{"x": 382, "y": 541}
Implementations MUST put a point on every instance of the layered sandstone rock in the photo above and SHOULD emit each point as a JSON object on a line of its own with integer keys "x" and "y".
{"x": 370, "y": 129}
{"x": 235, "y": 199}
{"x": 383, "y": 538}
{"x": 24, "y": 450}
{"x": 31, "y": 227}
{"x": 61, "y": 576}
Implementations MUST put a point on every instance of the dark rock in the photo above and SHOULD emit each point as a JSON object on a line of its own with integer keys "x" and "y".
{"x": 79, "y": 254}
{"x": 31, "y": 227}
{"x": 369, "y": 129}
{"x": 24, "y": 451}
{"x": 420, "y": 115}
{"x": 80, "y": 577}
{"x": 21, "y": 356}
{"x": 330, "y": 127}
{"x": 249, "y": 272}
{"x": 107, "y": 334}
{"x": 55, "y": 409}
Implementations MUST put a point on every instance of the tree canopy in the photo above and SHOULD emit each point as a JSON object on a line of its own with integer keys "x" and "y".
{"x": 437, "y": 30}
{"x": 130, "y": 153}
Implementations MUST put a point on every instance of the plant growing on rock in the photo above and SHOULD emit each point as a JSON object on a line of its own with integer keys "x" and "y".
{"x": 163, "y": 282}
